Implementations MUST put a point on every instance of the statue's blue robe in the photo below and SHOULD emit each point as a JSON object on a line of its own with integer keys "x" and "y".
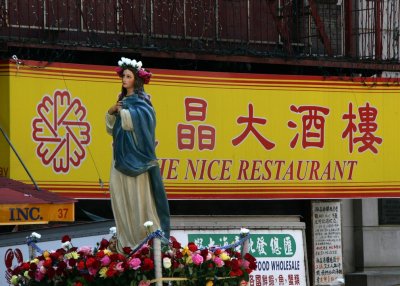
{"x": 134, "y": 151}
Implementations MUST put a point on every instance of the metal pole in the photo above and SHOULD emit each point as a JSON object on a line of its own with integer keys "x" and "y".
{"x": 19, "y": 158}
{"x": 157, "y": 260}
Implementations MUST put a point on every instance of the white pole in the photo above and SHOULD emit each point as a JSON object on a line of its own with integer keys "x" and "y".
{"x": 245, "y": 249}
{"x": 157, "y": 260}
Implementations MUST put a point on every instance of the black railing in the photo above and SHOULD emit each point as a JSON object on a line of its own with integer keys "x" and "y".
{"x": 361, "y": 29}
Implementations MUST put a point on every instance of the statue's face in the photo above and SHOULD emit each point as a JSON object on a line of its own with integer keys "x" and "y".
{"x": 112, "y": 245}
{"x": 128, "y": 79}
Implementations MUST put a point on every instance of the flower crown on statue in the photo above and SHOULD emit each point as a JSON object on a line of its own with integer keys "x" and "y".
{"x": 125, "y": 63}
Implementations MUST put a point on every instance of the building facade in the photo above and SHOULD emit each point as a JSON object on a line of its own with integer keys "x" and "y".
{"x": 346, "y": 39}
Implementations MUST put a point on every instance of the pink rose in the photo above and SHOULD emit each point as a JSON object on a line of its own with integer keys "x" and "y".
{"x": 119, "y": 267}
{"x": 197, "y": 259}
{"x": 92, "y": 271}
{"x": 145, "y": 75}
{"x": 39, "y": 276}
{"x": 119, "y": 71}
{"x": 134, "y": 263}
{"x": 144, "y": 283}
{"x": 105, "y": 260}
{"x": 85, "y": 250}
{"x": 218, "y": 261}
{"x": 245, "y": 264}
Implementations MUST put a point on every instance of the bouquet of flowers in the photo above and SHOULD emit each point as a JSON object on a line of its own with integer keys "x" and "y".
{"x": 214, "y": 266}
{"x": 85, "y": 266}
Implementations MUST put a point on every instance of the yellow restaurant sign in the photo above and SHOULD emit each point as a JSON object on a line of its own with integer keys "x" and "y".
{"x": 220, "y": 135}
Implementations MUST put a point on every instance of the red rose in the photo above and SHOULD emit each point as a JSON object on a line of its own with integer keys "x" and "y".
{"x": 175, "y": 264}
{"x": 253, "y": 265}
{"x": 144, "y": 251}
{"x": 147, "y": 264}
{"x": 218, "y": 252}
{"x": 235, "y": 264}
{"x": 127, "y": 250}
{"x": 249, "y": 257}
{"x": 204, "y": 253}
{"x": 238, "y": 255}
{"x": 103, "y": 244}
{"x": 81, "y": 265}
{"x": 25, "y": 266}
{"x": 176, "y": 245}
{"x": 61, "y": 265}
{"x": 65, "y": 238}
{"x": 178, "y": 255}
{"x": 54, "y": 255}
{"x": 51, "y": 272}
{"x": 88, "y": 277}
{"x": 47, "y": 263}
{"x": 192, "y": 247}
{"x": 100, "y": 254}
{"x": 31, "y": 274}
{"x": 72, "y": 262}
{"x": 90, "y": 261}
{"x": 111, "y": 270}
{"x": 78, "y": 283}
{"x": 33, "y": 266}
{"x": 114, "y": 257}
{"x": 237, "y": 272}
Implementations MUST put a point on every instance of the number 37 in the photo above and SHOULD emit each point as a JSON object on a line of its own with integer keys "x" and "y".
{"x": 62, "y": 213}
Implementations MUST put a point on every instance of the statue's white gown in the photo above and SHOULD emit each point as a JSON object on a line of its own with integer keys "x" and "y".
{"x": 131, "y": 197}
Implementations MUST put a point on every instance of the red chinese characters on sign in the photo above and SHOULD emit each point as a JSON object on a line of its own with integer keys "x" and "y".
{"x": 367, "y": 127}
{"x": 313, "y": 126}
{"x": 195, "y": 110}
{"x": 250, "y": 120}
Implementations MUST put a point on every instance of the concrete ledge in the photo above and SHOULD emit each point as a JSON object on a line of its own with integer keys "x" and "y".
{"x": 374, "y": 278}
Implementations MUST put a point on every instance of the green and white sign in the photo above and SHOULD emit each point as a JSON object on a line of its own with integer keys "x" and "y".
{"x": 261, "y": 245}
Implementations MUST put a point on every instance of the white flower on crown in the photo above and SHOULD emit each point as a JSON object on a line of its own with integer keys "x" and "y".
{"x": 125, "y": 62}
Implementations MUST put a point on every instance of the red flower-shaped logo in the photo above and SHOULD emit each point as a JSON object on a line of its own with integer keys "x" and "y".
{"x": 61, "y": 131}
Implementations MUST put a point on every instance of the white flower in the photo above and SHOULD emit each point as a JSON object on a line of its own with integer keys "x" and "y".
{"x": 148, "y": 223}
{"x": 134, "y": 63}
{"x": 128, "y": 61}
{"x": 139, "y": 64}
{"x": 36, "y": 235}
{"x": 66, "y": 245}
{"x": 120, "y": 63}
{"x": 244, "y": 230}
{"x": 113, "y": 230}
{"x": 167, "y": 262}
